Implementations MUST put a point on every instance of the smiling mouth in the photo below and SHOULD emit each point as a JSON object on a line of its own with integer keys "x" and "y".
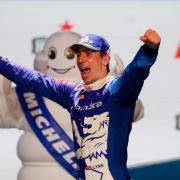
{"x": 61, "y": 71}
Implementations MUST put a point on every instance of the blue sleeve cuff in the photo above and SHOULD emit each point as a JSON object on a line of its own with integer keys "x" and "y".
{"x": 150, "y": 52}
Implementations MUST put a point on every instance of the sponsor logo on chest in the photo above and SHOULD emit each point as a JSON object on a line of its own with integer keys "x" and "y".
{"x": 89, "y": 106}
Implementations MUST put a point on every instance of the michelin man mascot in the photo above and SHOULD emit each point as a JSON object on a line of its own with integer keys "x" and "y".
{"x": 46, "y": 147}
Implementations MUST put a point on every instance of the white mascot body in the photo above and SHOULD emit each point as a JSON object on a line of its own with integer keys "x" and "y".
{"x": 54, "y": 60}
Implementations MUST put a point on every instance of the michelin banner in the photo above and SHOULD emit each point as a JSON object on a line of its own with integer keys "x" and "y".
{"x": 26, "y": 25}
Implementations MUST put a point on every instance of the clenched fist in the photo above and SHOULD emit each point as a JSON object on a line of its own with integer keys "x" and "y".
{"x": 151, "y": 38}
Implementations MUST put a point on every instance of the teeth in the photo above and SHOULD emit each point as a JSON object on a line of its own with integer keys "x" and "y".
{"x": 82, "y": 69}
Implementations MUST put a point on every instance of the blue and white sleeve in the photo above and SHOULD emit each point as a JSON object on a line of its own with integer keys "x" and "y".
{"x": 36, "y": 82}
{"x": 128, "y": 86}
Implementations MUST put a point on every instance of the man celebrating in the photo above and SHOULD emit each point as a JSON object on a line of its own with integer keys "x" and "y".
{"x": 101, "y": 107}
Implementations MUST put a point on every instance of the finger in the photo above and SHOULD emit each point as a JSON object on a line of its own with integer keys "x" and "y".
{"x": 148, "y": 32}
{"x": 143, "y": 38}
{"x": 154, "y": 37}
{"x": 155, "y": 40}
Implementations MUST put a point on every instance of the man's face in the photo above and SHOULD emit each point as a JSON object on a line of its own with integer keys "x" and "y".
{"x": 91, "y": 64}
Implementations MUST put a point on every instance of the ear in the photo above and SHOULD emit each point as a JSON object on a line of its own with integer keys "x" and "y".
{"x": 106, "y": 60}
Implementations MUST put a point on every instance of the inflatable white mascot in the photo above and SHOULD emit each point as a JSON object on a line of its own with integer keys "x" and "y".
{"x": 46, "y": 148}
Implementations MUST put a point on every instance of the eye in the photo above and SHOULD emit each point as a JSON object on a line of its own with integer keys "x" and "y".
{"x": 52, "y": 53}
{"x": 69, "y": 54}
{"x": 89, "y": 53}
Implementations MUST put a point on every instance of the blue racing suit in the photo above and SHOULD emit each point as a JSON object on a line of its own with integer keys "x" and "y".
{"x": 101, "y": 112}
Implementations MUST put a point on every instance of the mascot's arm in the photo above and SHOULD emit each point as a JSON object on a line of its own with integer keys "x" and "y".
{"x": 139, "y": 111}
{"x": 9, "y": 105}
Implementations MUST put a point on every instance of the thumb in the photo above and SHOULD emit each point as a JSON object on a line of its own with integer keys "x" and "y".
{"x": 143, "y": 38}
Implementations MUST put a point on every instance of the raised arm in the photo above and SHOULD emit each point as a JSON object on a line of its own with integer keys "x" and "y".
{"x": 36, "y": 82}
{"x": 128, "y": 86}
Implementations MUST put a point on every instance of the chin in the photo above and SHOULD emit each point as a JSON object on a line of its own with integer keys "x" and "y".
{"x": 86, "y": 81}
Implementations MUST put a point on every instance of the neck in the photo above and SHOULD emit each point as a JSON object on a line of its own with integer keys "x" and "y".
{"x": 99, "y": 83}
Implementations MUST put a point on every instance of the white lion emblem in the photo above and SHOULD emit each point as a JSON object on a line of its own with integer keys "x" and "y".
{"x": 95, "y": 143}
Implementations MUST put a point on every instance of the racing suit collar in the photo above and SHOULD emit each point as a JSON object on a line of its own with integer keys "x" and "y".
{"x": 98, "y": 84}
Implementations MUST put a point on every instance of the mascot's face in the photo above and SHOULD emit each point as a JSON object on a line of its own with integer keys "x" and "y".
{"x": 55, "y": 60}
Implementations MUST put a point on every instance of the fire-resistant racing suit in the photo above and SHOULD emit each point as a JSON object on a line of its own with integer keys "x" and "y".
{"x": 101, "y": 112}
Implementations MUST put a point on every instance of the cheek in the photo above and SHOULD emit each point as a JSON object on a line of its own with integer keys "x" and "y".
{"x": 97, "y": 68}
{"x": 96, "y": 64}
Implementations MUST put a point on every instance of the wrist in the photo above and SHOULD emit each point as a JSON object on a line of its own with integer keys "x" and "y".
{"x": 149, "y": 51}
